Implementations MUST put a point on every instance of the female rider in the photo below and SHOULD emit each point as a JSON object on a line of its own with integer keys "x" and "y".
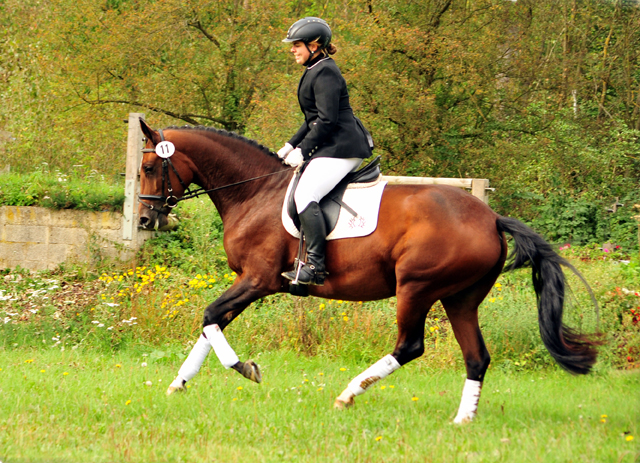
{"x": 331, "y": 138}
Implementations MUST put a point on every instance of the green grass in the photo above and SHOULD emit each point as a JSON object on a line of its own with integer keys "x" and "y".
{"x": 102, "y": 411}
{"x": 88, "y": 191}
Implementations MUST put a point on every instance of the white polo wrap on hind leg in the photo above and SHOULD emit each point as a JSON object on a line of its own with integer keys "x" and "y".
{"x": 381, "y": 369}
{"x": 196, "y": 358}
{"x": 221, "y": 347}
{"x": 469, "y": 401}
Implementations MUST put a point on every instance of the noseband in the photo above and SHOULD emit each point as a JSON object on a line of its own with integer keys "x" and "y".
{"x": 172, "y": 201}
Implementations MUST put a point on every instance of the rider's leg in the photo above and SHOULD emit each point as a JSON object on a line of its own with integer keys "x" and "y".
{"x": 318, "y": 179}
{"x": 315, "y": 236}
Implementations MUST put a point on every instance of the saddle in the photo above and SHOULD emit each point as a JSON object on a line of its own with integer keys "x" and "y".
{"x": 332, "y": 202}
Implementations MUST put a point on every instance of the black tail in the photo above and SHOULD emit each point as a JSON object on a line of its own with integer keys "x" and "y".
{"x": 573, "y": 351}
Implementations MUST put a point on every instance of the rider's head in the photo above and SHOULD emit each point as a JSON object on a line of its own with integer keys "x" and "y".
{"x": 314, "y": 33}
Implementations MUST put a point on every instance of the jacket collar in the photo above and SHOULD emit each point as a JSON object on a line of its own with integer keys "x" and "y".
{"x": 317, "y": 60}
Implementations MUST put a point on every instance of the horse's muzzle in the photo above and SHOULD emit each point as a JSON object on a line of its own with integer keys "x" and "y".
{"x": 152, "y": 220}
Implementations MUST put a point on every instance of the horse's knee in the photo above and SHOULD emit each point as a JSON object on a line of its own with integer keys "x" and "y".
{"x": 406, "y": 352}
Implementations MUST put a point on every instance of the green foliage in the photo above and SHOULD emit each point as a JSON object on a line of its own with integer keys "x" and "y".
{"x": 631, "y": 272}
{"x": 195, "y": 246}
{"x": 583, "y": 220}
{"x": 83, "y": 191}
{"x": 535, "y": 97}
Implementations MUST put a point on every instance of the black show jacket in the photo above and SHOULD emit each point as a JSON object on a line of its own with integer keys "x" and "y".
{"x": 330, "y": 128}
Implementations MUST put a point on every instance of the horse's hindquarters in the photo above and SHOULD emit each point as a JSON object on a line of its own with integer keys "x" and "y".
{"x": 439, "y": 239}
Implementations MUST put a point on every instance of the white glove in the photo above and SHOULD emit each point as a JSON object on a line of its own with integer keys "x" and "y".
{"x": 286, "y": 149}
{"x": 294, "y": 159}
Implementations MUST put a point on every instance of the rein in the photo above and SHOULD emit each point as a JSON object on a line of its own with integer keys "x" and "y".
{"x": 172, "y": 201}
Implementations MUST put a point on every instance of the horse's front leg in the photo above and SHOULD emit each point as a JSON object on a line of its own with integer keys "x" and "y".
{"x": 216, "y": 317}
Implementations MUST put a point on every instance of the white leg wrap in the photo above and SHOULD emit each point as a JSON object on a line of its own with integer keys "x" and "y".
{"x": 469, "y": 401}
{"x": 381, "y": 369}
{"x": 196, "y": 358}
{"x": 223, "y": 350}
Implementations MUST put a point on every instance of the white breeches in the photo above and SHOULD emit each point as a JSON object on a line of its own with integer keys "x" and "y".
{"x": 319, "y": 178}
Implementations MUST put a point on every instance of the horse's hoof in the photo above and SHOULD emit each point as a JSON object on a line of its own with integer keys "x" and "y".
{"x": 463, "y": 419}
{"x": 251, "y": 371}
{"x": 176, "y": 386}
{"x": 342, "y": 405}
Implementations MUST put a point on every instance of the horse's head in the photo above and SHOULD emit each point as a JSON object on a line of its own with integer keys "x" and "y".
{"x": 165, "y": 174}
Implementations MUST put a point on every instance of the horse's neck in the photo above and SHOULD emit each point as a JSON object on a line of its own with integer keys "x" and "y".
{"x": 232, "y": 162}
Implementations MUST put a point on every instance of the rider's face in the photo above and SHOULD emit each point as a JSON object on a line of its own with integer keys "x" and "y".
{"x": 300, "y": 52}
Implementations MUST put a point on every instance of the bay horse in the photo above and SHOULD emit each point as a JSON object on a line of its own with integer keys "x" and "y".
{"x": 432, "y": 243}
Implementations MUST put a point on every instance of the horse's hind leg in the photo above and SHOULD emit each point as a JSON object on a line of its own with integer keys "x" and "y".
{"x": 462, "y": 310}
{"x": 411, "y": 315}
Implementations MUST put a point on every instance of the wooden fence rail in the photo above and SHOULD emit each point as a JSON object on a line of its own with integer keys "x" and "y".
{"x": 478, "y": 186}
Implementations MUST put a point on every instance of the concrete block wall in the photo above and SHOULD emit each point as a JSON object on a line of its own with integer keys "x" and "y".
{"x": 38, "y": 238}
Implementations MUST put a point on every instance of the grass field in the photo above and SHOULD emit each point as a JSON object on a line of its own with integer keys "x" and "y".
{"x": 88, "y": 406}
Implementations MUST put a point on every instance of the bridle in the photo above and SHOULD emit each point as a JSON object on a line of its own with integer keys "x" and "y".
{"x": 172, "y": 201}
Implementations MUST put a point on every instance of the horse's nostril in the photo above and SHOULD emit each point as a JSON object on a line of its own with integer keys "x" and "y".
{"x": 144, "y": 221}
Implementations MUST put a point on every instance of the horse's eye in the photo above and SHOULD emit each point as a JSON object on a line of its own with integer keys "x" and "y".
{"x": 148, "y": 170}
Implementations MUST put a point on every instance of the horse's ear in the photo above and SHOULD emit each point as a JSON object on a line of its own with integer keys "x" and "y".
{"x": 149, "y": 132}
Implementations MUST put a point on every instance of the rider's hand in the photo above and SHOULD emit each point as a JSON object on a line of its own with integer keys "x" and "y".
{"x": 286, "y": 149}
{"x": 294, "y": 159}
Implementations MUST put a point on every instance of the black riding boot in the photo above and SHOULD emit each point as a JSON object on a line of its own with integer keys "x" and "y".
{"x": 315, "y": 235}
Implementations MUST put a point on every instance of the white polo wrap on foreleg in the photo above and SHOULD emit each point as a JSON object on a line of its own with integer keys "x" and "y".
{"x": 469, "y": 401}
{"x": 221, "y": 347}
{"x": 196, "y": 358}
{"x": 381, "y": 369}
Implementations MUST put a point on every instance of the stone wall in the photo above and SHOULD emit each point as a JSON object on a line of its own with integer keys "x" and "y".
{"x": 38, "y": 238}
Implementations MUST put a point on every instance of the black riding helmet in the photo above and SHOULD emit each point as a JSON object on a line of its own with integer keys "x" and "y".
{"x": 309, "y": 29}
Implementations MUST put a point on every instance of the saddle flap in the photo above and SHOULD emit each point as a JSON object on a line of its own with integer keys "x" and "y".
{"x": 331, "y": 203}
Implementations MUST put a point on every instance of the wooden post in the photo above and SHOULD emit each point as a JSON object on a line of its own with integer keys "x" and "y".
{"x": 132, "y": 185}
{"x": 479, "y": 187}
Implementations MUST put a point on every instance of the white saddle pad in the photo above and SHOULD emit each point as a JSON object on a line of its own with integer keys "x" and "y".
{"x": 363, "y": 198}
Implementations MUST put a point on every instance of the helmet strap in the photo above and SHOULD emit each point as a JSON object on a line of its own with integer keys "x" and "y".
{"x": 311, "y": 53}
